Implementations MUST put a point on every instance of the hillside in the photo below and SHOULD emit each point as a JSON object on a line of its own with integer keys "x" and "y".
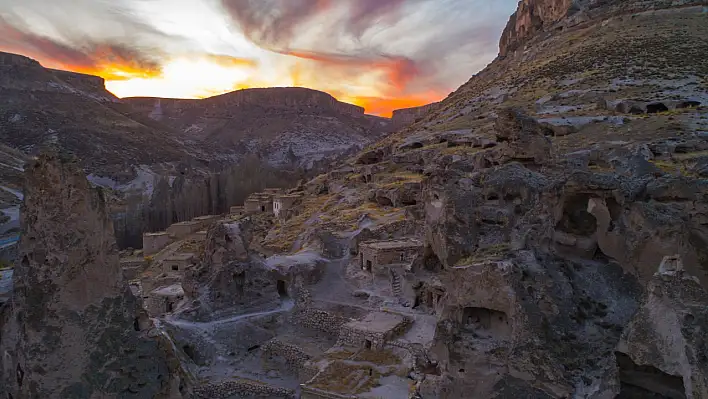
{"x": 284, "y": 125}
{"x": 560, "y": 202}
{"x": 116, "y": 139}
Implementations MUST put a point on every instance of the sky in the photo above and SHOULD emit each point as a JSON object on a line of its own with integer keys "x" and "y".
{"x": 379, "y": 54}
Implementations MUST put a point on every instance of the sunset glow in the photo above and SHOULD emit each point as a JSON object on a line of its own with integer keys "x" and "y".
{"x": 379, "y": 54}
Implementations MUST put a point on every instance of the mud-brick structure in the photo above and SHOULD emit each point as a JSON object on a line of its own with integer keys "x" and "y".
{"x": 183, "y": 229}
{"x": 154, "y": 242}
{"x": 374, "y": 256}
{"x": 374, "y": 331}
{"x": 164, "y": 299}
{"x": 282, "y": 204}
{"x": 259, "y": 203}
{"x": 177, "y": 263}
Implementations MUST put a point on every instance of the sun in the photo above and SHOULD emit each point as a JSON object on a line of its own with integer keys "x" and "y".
{"x": 188, "y": 78}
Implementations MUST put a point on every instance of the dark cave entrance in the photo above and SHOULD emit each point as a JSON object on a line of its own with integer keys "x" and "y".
{"x": 282, "y": 289}
{"x": 367, "y": 344}
{"x": 576, "y": 219}
{"x": 646, "y": 382}
{"x": 655, "y": 108}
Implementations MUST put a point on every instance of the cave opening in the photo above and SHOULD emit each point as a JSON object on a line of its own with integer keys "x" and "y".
{"x": 576, "y": 219}
{"x": 282, "y": 289}
{"x": 431, "y": 262}
{"x": 483, "y": 321}
{"x": 655, "y": 108}
{"x": 646, "y": 382}
{"x": 689, "y": 104}
{"x": 189, "y": 351}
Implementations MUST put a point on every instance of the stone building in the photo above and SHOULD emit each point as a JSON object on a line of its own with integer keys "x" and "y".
{"x": 177, "y": 263}
{"x": 259, "y": 203}
{"x": 132, "y": 267}
{"x": 374, "y": 331}
{"x": 155, "y": 242}
{"x": 374, "y": 256}
{"x": 282, "y": 204}
{"x": 164, "y": 299}
{"x": 183, "y": 229}
{"x": 237, "y": 210}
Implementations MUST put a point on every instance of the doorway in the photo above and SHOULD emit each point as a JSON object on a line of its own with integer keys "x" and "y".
{"x": 282, "y": 289}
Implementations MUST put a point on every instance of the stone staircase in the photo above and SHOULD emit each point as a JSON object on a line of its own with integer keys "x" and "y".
{"x": 397, "y": 290}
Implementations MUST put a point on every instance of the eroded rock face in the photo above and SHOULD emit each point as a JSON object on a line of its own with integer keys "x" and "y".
{"x": 73, "y": 329}
{"x": 228, "y": 277}
{"x": 662, "y": 351}
{"x": 533, "y": 17}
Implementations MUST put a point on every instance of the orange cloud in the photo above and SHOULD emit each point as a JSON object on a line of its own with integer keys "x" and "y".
{"x": 399, "y": 71}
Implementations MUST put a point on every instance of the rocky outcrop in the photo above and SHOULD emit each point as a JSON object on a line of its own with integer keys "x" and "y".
{"x": 662, "y": 351}
{"x": 72, "y": 327}
{"x": 228, "y": 278}
{"x": 406, "y": 116}
{"x": 534, "y": 17}
{"x": 531, "y": 17}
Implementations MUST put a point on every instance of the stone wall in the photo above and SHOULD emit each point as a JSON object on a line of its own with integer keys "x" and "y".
{"x": 382, "y": 257}
{"x": 314, "y": 393}
{"x": 155, "y": 242}
{"x": 295, "y": 358}
{"x": 320, "y": 320}
{"x": 358, "y": 337}
{"x": 241, "y": 388}
{"x": 183, "y": 229}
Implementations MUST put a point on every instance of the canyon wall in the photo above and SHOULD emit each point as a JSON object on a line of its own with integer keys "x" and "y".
{"x": 276, "y": 97}
{"x": 406, "y": 116}
{"x": 534, "y": 17}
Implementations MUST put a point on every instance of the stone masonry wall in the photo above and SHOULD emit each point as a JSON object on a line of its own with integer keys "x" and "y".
{"x": 320, "y": 320}
{"x": 241, "y": 388}
{"x": 295, "y": 358}
{"x": 357, "y": 338}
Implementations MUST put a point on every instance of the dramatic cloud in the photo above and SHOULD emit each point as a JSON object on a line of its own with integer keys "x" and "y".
{"x": 113, "y": 61}
{"x": 381, "y": 54}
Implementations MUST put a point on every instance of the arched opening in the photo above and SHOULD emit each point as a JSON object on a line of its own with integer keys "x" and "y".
{"x": 576, "y": 219}
{"x": 655, "y": 108}
{"x": 646, "y": 381}
{"x": 689, "y": 104}
{"x": 189, "y": 351}
{"x": 282, "y": 288}
{"x": 634, "y": 110}
{"x": 431, "y": 262}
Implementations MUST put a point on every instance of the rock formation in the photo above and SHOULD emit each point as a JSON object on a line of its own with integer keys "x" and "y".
{"x": 406, "y": 116}
{"x": 72, "y": 328}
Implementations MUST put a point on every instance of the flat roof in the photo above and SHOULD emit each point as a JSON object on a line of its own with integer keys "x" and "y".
{"x": 289, "y": 196}
{"x": 206, "y": 217}
{"x": 183, "y": 256}
{"x": 187, "y": 223}
{"x": 132, "y": 259}
{"x": 378, "y": 322}
{"x": 159, "y": 233}
{"x": 170, "y": 290}
{"x": 394, "y": 244}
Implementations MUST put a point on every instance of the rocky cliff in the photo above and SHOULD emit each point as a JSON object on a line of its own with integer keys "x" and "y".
{"x": 538, "y": 17}
{"x": 72, "y": 327}
{"x": 406, "y": 116}
{"x": 548, "y": 191}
